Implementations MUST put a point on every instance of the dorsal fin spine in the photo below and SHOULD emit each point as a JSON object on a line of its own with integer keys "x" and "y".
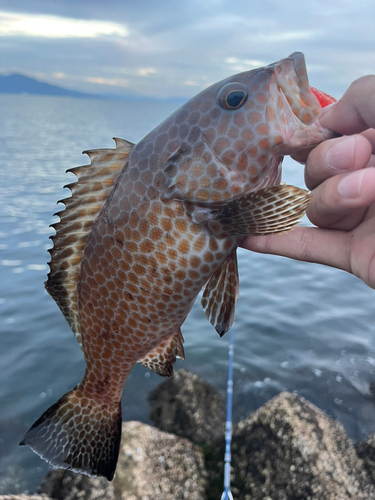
{"x": 94, "y": 183}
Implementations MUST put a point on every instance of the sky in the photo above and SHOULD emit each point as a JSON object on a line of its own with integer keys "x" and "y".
{"x": 175, "y": 48}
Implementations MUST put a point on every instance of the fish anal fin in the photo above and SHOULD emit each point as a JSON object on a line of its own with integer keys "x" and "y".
{"x": 221, "y": 294}
{"x": 162, "y": 358}
{"x": 94, "y": 183}
{"x": 78, "y": 433}
{"x": 267, "y": 211}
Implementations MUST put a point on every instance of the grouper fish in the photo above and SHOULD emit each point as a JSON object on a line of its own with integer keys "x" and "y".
{"x": 150, "y": 224}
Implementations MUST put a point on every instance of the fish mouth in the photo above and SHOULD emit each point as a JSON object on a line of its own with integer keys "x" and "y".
{"x": 293, "y": 107}
{"x": 291, "y": 80}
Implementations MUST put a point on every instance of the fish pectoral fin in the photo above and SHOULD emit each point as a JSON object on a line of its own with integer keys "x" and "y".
{"x": 162, "y": 358}
{"x": 267, "y": 211}
{"x": 221, "y": 294}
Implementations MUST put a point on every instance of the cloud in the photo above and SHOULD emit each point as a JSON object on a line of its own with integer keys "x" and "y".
{"x": 146, "y": 71}
{"x": 175, "y": 49}
{"x": 37, "y": 25}
{"x": 240, "y": 65}
{"x": 113, "y": 82}
{"x": 59, "y": 75}
{"x": 287, "y": 35}
{"x": 191, "y": 83}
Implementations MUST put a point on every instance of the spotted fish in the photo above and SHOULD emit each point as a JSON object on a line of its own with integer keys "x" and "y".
{"x": 149, "y": 225}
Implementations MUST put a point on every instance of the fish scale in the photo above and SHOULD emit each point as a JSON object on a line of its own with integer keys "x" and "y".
{"x": 149, "y": 225}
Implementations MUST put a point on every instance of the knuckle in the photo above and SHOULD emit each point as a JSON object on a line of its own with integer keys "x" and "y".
{"x": 367, "y": 81}
{"x": 307, "y": 238}
{"x": 316, "y": 167}
{"x": 326, "y": 204}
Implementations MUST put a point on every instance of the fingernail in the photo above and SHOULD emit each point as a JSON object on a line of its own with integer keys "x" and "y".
{"x": 350, "y": 186}
{"x": 340, "y": 154}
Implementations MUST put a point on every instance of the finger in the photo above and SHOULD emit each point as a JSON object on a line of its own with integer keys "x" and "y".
{"x": 363, "y": 249}
{"x": 341, "y": 201}
{"x": 370, "y": 136}
{"x": 302, "y": 155}
{"x": 332, "y": 157}
{"x": 355, "y": 111}
{"x": 322, "y": 246}
{"x": 371, "y": 163}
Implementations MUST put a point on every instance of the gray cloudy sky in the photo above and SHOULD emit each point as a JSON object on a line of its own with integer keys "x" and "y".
{"x": 171, "y": 48}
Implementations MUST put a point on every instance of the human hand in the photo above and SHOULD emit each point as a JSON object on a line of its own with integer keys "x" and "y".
{"x": 341, "y": 175}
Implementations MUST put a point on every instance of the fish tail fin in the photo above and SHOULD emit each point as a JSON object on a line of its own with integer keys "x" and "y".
{"x": 78, "y": 433}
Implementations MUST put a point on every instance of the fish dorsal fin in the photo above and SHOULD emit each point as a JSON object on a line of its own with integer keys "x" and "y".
{"x": 95, "y": 182}
{"x": 162, "y": 358}
{"x": 221, "y": 294}
{"x": 267, "y": 211}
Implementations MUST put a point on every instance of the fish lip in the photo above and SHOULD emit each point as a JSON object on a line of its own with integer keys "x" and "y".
{"x": 292, "y": 78}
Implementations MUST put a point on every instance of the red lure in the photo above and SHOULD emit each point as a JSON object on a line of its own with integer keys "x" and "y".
{"x": 323, "y": 98}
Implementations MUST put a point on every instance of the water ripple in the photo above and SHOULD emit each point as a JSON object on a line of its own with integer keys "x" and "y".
{"x": 299, "y": 327}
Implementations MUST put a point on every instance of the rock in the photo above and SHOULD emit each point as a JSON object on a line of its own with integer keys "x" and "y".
{"x": 154, "y": 465}
{"x": 12, "y": 480}
{"x": 66, "y": 485}
{"x": 289, "y": 449}
{"x": 366, "y": 450}
{"x": 286, "y": 450}
{"x": 188, "y": 406}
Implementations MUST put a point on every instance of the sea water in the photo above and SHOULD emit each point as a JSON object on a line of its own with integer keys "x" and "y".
{"x": 299, "y": 327}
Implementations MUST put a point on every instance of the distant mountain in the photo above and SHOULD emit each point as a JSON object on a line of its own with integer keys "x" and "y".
{"x": 20, "y": 84}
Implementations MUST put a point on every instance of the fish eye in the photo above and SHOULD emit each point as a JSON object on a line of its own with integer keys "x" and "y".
{"x": 235, "y": 98}
{"x": 232, "y": 96}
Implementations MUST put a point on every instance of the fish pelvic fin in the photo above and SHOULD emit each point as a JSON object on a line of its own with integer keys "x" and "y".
{"x": 271, "y": 210}
{"x": 79, "y": 434}
{"x": 162, "y": 358}
{"x": 221, "y": 294}
{"x": 89, "y": 193}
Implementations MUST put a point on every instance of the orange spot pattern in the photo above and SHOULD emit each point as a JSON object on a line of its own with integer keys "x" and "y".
{"x": 127, "y": 311}
{"x": 146, "y": 260}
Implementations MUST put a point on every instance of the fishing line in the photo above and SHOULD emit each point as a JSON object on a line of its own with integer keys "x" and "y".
{"x": 227, "y": 495}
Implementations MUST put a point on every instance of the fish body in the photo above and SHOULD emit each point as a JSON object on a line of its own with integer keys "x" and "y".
{"x": 149, "y": 225}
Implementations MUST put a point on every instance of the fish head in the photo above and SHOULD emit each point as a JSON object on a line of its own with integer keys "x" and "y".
{"x": 255, "y": 118}
{"x": 275, "y": 101}
{"x": 231, "y": 138}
